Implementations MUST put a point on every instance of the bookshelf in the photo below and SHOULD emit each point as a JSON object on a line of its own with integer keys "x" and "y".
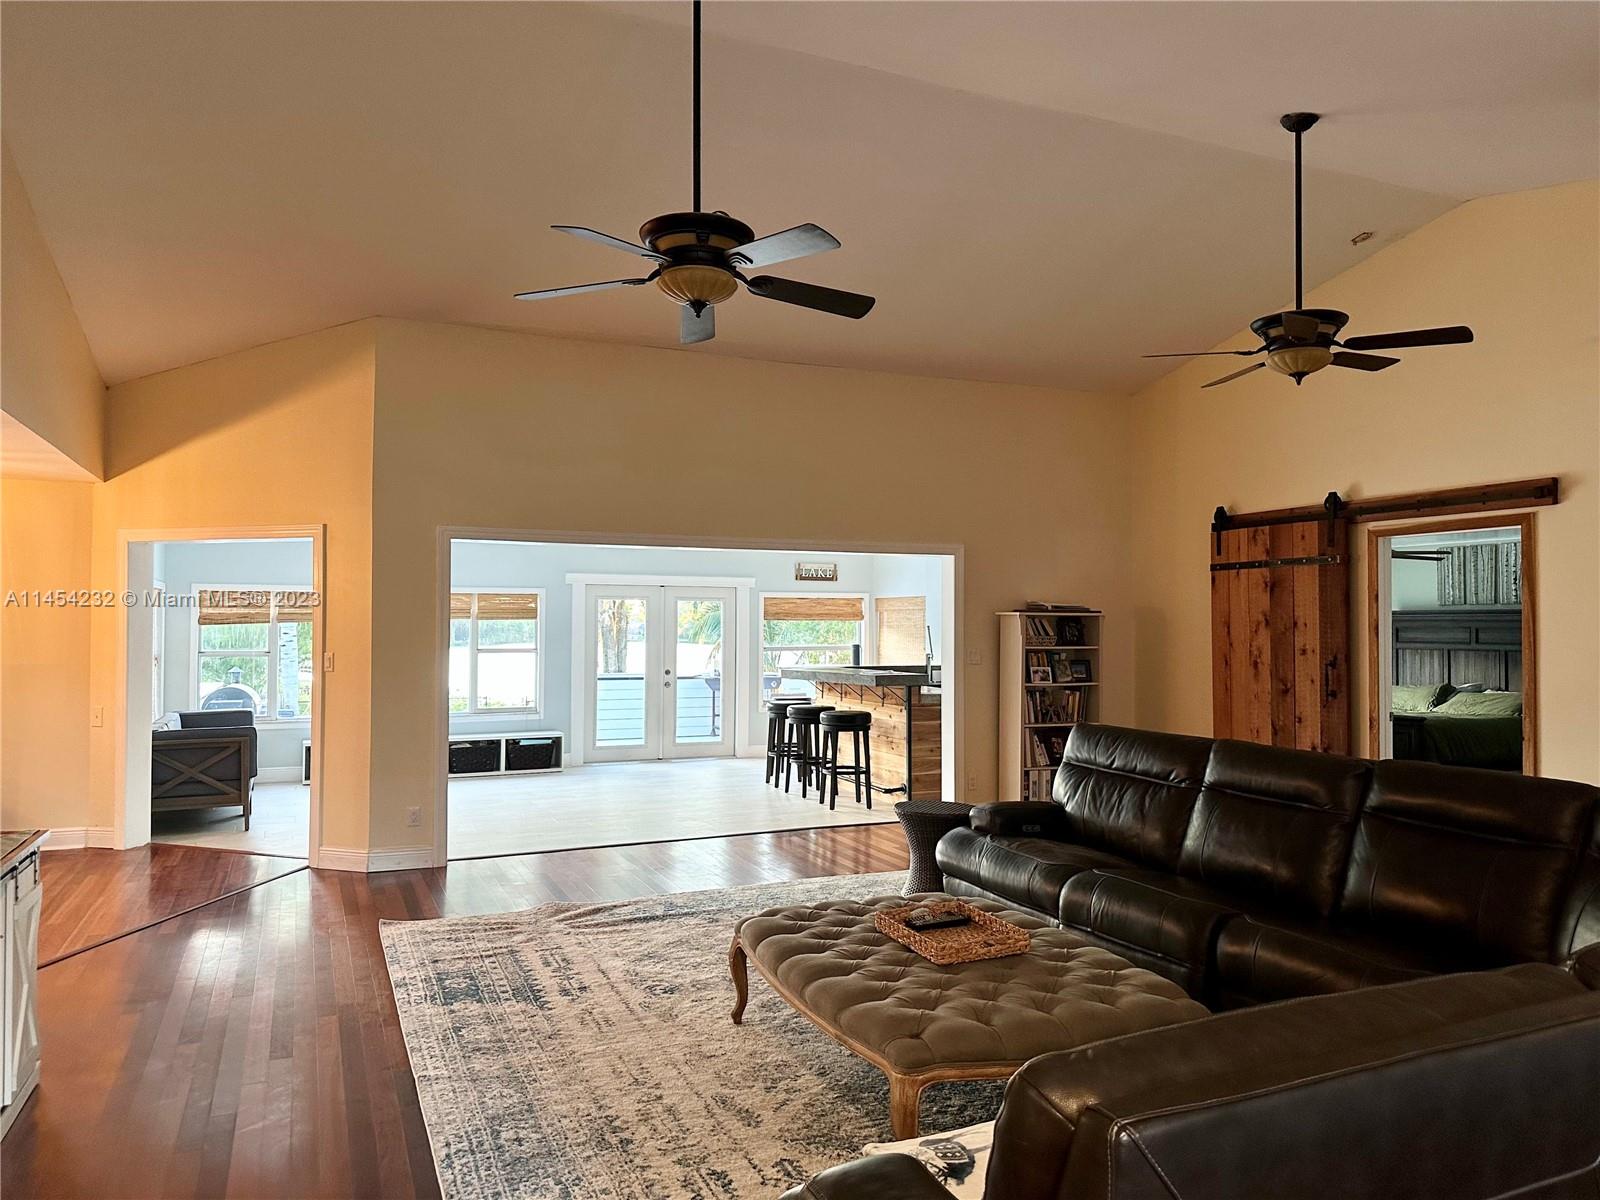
{"x": 1049, "y": 682}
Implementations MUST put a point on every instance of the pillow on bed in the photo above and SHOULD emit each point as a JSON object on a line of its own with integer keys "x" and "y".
{"x": 1416, "y": 699}
{"x": 1482, "y": 704}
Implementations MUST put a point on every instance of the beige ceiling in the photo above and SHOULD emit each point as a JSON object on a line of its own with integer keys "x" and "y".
{"x": 1036, "y": 193}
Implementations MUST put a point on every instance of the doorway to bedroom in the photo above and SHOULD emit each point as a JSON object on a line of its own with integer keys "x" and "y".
{"x": 1452, "y": 662}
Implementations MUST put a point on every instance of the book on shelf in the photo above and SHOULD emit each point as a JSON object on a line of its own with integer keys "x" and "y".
{"x": 1062, "y": 706}
{"x": 1052, "y": 631}
{"x": 1046, "y": 606}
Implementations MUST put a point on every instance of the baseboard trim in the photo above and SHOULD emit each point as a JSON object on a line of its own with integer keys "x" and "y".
{"x": 278, "y": 775}
{"x": 403, "y": 858}
{"x": 80, "y": 837}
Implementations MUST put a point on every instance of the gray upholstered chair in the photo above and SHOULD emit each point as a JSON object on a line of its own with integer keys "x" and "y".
{"x": 203, "y": 759}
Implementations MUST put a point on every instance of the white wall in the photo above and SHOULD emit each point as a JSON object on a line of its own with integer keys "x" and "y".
{"x": 183, "y": 566}
{"x": 486, "y": 565}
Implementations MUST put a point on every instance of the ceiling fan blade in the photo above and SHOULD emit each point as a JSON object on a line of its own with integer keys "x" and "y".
{"x": 1363, "y": 362}
{"x": 692, "y": 328}
{"x": 605, "y": 239}
{"x": 781, "y": 247}
{"x": 1235, "y": 375}
{"x": 1299, "y": 326}
{"x": 579, "y": 289}
{"x": 809, "y": 295}
{"x": 1203, "y": 353}
{"x": 1450, "y": 335}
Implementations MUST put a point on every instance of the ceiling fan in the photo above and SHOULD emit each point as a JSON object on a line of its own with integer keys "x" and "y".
{"x": 700, "y": 256}
{"x": 1303, "y": 340}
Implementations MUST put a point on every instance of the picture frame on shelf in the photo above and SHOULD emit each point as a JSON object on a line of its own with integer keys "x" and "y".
{"x": 1039, "y": 675}
{"x": 1080, "y": 671}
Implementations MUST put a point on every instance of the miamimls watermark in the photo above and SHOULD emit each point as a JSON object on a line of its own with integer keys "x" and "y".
{"x": 259, "y": 598}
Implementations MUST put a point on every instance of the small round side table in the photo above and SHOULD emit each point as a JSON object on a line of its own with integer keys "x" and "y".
{"x": 925, "y": 822}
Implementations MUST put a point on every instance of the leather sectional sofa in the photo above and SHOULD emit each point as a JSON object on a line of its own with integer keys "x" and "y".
{"x": 1253, "y": 873}
{"x": 1453, "y": 1087}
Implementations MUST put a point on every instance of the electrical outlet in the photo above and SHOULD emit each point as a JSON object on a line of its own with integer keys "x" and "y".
{"x": 972, "y": 782}
{"x": 974, "y": 657}
{"x": 327, "y": 660}
{"x": 97, "y": 716}
{"x": 413, "y": 817}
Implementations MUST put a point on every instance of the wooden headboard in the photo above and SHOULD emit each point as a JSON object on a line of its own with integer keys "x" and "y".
{"x": 1459, "y": 645}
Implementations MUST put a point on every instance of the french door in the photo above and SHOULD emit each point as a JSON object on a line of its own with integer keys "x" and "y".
{"x": 658, "y": 672}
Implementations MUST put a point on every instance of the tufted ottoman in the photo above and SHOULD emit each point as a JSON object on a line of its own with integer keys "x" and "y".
{"x": 919, "y": 1023}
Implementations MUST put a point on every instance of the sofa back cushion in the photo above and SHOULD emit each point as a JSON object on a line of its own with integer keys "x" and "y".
{"x": 217, "y": 718}
{"x": 1482, "y": 862}
{"x": 1276, "y": 823}
{"x": 1131, "y": 791}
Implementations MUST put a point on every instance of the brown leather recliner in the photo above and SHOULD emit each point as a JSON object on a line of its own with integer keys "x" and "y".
{"x": 1448, "y": 1088}
{"x": 1251, "y": 873}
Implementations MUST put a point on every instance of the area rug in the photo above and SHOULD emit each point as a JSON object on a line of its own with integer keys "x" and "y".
{"x": 585, "y": 1052}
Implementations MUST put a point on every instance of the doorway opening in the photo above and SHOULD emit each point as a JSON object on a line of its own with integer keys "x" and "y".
{"x": 1452, "y": 659}
{"x": 222, "y": 639}
{"x": 607, "y": 694}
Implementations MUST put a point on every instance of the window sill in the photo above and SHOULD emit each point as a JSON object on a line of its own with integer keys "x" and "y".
{"x": 499, "y": 714}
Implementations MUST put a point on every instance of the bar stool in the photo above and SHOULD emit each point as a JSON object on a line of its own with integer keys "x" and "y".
{"x": 805, "y": 744}
{"x": 859, "y": 726}
{"x": 779, "y": 747}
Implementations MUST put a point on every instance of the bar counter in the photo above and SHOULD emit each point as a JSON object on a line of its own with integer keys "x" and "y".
{"x": 907, "y": 731}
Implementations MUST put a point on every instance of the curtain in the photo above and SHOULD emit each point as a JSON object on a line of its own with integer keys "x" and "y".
{"x": 1481, "y": 575}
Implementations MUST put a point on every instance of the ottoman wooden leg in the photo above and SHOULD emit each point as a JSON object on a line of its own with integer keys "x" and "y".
{"x": 905, "y": 1096}
{"x": 741, "y": 979}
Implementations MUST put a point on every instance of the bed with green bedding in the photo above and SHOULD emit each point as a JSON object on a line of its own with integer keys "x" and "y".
{"x": 1435, "y": 723}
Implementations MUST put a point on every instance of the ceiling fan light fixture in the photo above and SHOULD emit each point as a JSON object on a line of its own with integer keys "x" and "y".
{"x": 696, "y": 284}
{"x": 1299, "y": 361}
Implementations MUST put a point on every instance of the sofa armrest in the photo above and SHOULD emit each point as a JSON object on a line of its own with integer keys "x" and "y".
{"x": 1328, "y": 1094}
{"x": 876, "y": 1177}
{"x": 1585, "y": 966}
{"x": 1027, "y": 818}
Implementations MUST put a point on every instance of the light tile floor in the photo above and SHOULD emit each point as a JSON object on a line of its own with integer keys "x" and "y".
{"x": 602, "y": 804}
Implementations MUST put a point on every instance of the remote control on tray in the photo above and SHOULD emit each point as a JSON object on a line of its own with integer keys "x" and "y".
{"x": 936, "y": 920}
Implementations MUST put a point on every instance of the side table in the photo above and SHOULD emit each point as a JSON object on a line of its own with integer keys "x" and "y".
{"x": 925, "y": 822}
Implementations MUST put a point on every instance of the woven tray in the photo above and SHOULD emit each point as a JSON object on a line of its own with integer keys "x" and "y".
{"x": 988, "y": 936}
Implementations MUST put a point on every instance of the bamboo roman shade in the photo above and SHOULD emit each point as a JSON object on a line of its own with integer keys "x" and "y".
{"x": 811, "y": 608}
{"x": 902, "y": 628}
{"x": 496, "y": 606}
{"x": 252, "y": 606}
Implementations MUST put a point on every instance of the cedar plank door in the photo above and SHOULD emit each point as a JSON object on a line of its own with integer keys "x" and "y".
{"x": 1280, "y": 633}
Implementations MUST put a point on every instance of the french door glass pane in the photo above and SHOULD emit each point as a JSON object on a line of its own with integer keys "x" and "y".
{"x": 619, "y": 664}
{"x": 698, "y": 671}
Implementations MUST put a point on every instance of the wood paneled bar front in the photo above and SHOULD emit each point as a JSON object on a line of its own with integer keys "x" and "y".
{"x": 907, "y": 735}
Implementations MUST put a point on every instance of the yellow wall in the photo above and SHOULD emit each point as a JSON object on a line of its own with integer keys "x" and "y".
{"x": 277, "y": 435}
{"x": 1524, "y": 400}
{"x": 513, "y": 431}
{"x": 44, "y": 655}
{"x": 48, "y": 379}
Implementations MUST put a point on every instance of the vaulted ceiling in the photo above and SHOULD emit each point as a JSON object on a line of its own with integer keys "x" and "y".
{"x": 1035, "y": 192}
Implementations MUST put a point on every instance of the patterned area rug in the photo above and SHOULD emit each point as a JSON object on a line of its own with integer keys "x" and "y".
{"x": 586, "y": 1052}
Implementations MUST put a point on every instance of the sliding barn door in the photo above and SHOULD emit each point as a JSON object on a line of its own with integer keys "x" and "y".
{"x": 1280, "y": 632}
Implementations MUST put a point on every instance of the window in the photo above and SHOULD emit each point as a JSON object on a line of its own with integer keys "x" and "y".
{"x": 253, "y": 650}
{"x": 806, "y": 631}
{"x": 494, "y": 651}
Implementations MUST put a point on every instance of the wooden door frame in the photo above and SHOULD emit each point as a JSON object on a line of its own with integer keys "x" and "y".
{"x": 1523, "y": 521}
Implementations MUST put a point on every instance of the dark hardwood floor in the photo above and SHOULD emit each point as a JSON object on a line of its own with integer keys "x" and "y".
{"x": 92, "y": 895}
{"x": 250, "y": 1047}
